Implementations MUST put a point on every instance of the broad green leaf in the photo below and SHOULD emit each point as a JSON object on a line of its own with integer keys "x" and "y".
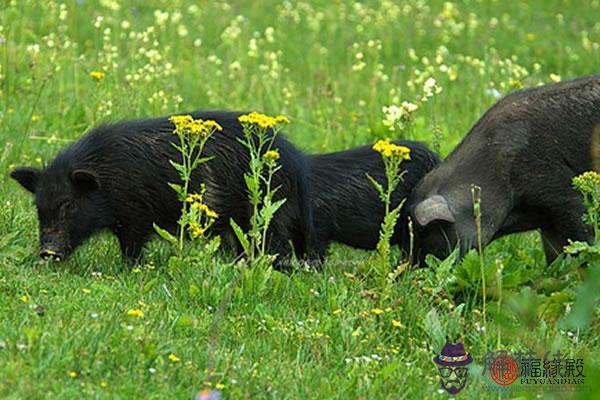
{"x": 165, "y": 234}
{"x": 241, "y": 236}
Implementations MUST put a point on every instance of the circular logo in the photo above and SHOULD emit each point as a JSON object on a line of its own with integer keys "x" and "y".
{"x": 504, "y": 370}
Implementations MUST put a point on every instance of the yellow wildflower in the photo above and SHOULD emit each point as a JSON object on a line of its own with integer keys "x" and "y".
{"x": 588, "y": 176}
{"x": 24, "y": 298}
{"x": 97, "y": 75}
{"x": 181, "y": 122}
{"x": 173, "y": 358}
{"x": 72, "y": 374}
{"x": 196, "y": 230}
{"x": 388, "y": 149}
{"x": 282, "y": 119}
{"x": 210, "y": 124}
{"x": 197, "y": 205}
{"x": 205, "y": 209}
{"x": 196, "y": 127}
{"x": 186, "y": 124}
{"x": 271, "y": 155}
{"x": 211, "y": 214}
{"x": 349, "y": 275}
{"x": 555, "y": 78}
{"x": 397, "y": 324}
{"x": 194, "y": 197}
{"x": 86, "y": 290}
{"x": 516, "y": 83}
{"x": 377, "y": 311}
{"x": 35, "y": 117}
{"x": 338, "y": 311}
{"x": 135, "y": 313}
{"x": 588, "y": 182}
{"x": 262, "y": 120}
{"x": 220, "y": 386}
{"x": 103, "y": 383}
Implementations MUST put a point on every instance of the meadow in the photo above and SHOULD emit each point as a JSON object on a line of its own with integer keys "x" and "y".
{"x": 96, "y": 327}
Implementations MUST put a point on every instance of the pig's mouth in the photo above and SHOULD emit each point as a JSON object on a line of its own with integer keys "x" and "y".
{"x": 52, "y": 252}
{"x": 52, "y": 255}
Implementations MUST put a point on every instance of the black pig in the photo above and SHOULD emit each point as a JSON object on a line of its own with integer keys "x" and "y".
{"x": 116, "y": 176}
{"x": 346, "y": 206}
{"x": 523, "y": 154}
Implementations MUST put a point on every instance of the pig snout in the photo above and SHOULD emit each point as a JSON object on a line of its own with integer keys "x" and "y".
{"x": 50, "y": 254}
{"x": 53, "y": 248}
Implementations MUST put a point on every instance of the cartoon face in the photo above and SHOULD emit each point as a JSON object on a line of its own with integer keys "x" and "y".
{"x": 453, "y": 379}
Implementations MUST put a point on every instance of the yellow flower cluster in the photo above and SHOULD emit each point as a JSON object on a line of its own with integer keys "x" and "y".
{"x": 187, "y": 124}
{"x": 388, "y": 149}
{"x": 589, "y": 177}
{"x": 588, "y": 182}
{"x": 198, "y": 204}
{"x": 97, "y": 75}
{"x": 271, "y": 155}
{"x": 196, "y": 230}
{"x": 262, "y": 120}
{"x": 194, "y": 197}
{"x": 205, "y": 209}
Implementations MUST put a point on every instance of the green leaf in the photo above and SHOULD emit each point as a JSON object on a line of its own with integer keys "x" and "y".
{"x": 213, "y": 245}
{"x": 148, "y": 286}
{"x": 201, "y": 160}
{"x": 581, "y": 247}
{"x": 241, "y": 236}
{"x": 180, "y": 168}
{"x": 176, "y": 187}
{"x": 269, "y": 210}
{"x": 165, "y": 234}
{"x": 251, "y": 184}
{"x": 377, "y": 186}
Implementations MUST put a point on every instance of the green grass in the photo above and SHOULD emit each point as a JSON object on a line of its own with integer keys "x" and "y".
{"x": 296, "y": 335}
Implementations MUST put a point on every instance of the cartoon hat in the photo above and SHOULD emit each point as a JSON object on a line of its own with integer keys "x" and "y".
{"x": 453, "y": 355}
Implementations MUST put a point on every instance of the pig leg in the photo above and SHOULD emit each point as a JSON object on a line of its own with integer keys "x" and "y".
{"x": 131, "y": 244}
{"x": 553, "y": 244}
{"x": 566, "y": 224}
{"x": 554, "y": 241}
{"x": 321, "y": 240}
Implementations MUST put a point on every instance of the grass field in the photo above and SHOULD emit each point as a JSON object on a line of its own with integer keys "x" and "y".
{"x": 66, "y": 330}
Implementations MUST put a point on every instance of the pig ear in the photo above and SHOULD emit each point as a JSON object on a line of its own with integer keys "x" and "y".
{"x": 85, "y": 180}
{"x": 27, "y": 177}
{"x": 434, "y": 208}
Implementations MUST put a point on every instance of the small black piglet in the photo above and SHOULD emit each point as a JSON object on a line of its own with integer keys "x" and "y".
{"x": 346, "y": 206}
{"x": 116, "y": 177}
